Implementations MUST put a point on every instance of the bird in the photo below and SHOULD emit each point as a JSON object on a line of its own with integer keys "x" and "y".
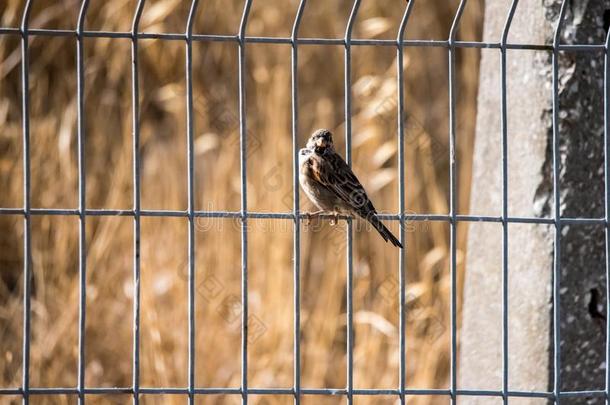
{"x": 332, "y": 186}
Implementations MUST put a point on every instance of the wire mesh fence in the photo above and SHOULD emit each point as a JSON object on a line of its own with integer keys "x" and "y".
{"x": 237, "y": 307}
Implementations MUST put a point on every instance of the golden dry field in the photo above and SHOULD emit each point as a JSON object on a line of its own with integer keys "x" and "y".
{"x": 164, "y": 321}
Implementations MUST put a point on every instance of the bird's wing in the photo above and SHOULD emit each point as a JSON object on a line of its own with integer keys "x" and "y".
{"x": 330, "y": 170}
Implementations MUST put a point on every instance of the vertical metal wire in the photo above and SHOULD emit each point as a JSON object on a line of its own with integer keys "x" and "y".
{"x": 295, "y": 209}
{"x": 504, "y": 125}
{"x": 191, "y": 199}
{"x": 402, "y": 258}
{"x": 453, "y": 197}
{"x": 27, "y": 224}
{"x": 82, "y": 230}
{"x": 190, "y": 214}
{"x": 244, "y": 199}
{"x": 135, "y": 112}
{"x": 607, "y": 201}
{"x": 557, "y": 214}
{"x": 348, "y": 156}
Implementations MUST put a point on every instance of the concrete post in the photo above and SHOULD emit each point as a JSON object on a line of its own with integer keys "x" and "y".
{"x": 530, "y": 360}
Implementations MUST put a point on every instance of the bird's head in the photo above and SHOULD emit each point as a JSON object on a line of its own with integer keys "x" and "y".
{"x": 320, "y": 139}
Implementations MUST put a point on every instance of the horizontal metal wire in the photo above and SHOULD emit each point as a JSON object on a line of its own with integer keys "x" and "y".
{"x": 289, "y": 215}
{"x": 302, "y": 41}
{"x": 24, "y": 32}
{"x": 290, "y": 391}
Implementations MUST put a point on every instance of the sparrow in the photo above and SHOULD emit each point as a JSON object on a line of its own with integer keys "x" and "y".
{"x": 332, "y": 186}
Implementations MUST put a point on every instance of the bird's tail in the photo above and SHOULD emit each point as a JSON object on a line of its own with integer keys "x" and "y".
{"x": 383, "y": 231}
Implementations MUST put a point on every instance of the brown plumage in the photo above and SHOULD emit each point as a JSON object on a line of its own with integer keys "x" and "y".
{"x": 332, "y": 186}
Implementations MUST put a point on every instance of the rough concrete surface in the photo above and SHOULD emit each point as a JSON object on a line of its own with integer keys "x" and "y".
{"x": 530, "y": 251}
{"x": 582, "y": 184}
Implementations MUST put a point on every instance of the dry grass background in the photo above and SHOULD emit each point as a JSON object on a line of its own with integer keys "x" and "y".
{"x": 163, "y": 146}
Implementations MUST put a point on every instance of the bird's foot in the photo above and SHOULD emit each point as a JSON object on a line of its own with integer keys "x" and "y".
{"x": 335, "y": 219}
{"x": 310, "y": 215}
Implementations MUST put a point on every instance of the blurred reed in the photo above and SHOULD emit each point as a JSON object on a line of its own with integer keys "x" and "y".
{"x": 163, "y": 146}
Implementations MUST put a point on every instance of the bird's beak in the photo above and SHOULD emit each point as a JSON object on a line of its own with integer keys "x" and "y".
{"x": 323, "y": 141}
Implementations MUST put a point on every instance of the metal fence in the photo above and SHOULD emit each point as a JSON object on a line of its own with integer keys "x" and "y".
{"x": 452, "y": 218}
